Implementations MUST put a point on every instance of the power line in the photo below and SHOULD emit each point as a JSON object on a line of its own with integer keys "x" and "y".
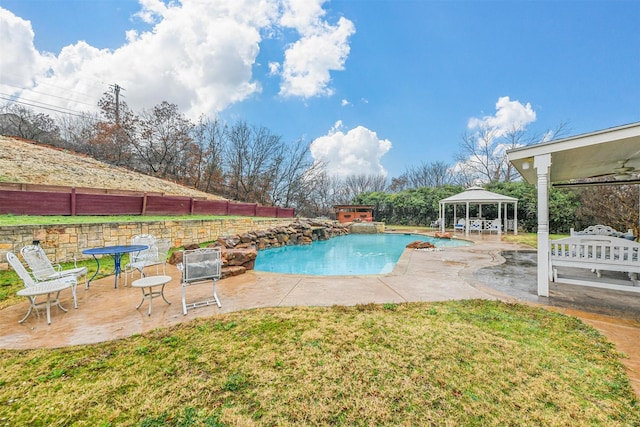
{"x": 48, "y": 94}
{"x": 70, "y": 112}
{"x": 40, "y": 102}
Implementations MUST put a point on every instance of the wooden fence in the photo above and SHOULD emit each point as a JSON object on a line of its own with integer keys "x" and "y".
{"x": 31, "y": 199}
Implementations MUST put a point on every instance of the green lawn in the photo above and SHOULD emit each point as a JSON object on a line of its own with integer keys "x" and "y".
{"x": 452, "y": 363}
{"x": 6, "y": 220}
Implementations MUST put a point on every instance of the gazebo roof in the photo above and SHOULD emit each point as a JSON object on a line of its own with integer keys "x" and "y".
{"x": 478, "y": 195}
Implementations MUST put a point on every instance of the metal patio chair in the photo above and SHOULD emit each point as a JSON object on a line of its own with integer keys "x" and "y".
{"x": 141, "y": 259}
{"x": 43, "y": 270}
{"x": 200, "y": 266}
{"x": 33, "y": 288}
{"x": 460, "y": 225}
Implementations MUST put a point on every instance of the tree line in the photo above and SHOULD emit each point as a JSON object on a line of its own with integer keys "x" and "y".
{"x": 250, "y": 163}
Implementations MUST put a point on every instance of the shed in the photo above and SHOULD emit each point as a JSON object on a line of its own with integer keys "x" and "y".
{"x": 351, "y": 213}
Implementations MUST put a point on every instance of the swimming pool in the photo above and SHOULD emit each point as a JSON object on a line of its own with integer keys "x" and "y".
{"x": 344, "y": 255}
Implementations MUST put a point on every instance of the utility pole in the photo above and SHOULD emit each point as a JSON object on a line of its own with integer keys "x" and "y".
{"x": 116, "y": 90}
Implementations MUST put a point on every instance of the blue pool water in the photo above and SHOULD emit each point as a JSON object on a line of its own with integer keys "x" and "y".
{"x": 344, "y": 255}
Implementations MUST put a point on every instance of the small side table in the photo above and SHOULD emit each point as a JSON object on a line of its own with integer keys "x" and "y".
{"x": 47, "y": 288}
{"x": 151, "y": 282}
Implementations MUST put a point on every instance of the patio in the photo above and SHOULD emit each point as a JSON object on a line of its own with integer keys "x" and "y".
{"x": 105, "y": 313}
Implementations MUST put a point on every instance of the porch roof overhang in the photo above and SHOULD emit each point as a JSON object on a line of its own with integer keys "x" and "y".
{"x": 595, "y": 154}
{"x": 582, "y": 156}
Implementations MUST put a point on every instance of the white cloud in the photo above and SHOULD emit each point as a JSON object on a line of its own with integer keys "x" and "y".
{"x": 345, "y": 102}
{"x": 488, "y": 132}
{"x": 198, "y": 55}
{"x": 509, "y": 115}
{"x": 322, "y": 48}
{"x": 19, "y": 60}
{"x": 358, "y": 151}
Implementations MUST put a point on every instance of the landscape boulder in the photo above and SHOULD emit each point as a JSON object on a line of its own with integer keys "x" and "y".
{"x": 443, "y": 235}
{"x": 419, "y": 244}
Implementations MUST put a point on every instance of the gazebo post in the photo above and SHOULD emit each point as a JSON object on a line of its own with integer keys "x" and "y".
{"x": 466, "y": 224}
{"x": 500, "y": 218}
{"x": 515, "y": 219}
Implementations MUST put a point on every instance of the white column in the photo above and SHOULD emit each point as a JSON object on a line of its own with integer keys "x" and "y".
{"x": 500, "y": 217}
{"x": 542, "y": 164}
{"x": 466, "y": 223}
{"x": 515, "y": 219}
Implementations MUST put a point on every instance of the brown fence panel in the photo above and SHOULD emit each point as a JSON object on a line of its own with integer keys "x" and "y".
{"x": 34, "y": 203}
{"x": 266, "y": 211}
{"x": 211, "y": 207}
{"x": 286, "y": 213}
{"x": 242, "y": 209}
{"x": 21, "y": 199}
{"x": 107, "y": 204}
{"x": 168, "y": 205}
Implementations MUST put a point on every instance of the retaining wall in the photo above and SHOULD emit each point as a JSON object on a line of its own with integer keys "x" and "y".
{"x": 62, "y": 242}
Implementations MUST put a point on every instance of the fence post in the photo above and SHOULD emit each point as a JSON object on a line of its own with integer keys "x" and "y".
{"x": 144, "y": 204}
{"x": 73, "y": 201}
{"x": 191, "y": 205}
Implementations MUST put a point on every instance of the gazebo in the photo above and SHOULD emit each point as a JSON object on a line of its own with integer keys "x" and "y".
{"x": 477, "y": 196}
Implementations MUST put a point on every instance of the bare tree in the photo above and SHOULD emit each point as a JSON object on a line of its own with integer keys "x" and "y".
{"x": 293, "y": 175}
{"x": 208, "y": 173}
{"x": 252, "y": 154}
{"x": 434, "y": 174}
{"x": 23, "y": 122}
{"x": 363, "y": 183}
{"x": 76, "y": 131}
{"x": 164, "y": 147}
{"x": 326, "y": 192}
{"x": 115, "y": 134}
{"x": 482, "y": 156}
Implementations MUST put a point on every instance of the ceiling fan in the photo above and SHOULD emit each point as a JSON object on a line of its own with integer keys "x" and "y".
{"x": 624, "y": 172}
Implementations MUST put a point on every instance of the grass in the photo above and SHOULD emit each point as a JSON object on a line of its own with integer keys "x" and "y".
{"x": 10, "y": 220}
{"x": 452, "y": 363}
{"x": 530, "y": 239}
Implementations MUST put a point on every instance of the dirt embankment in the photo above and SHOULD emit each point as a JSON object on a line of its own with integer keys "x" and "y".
{"x": 27, "y": 162}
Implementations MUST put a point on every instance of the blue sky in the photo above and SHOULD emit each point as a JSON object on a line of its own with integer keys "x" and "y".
{"x": 376, "y": 85}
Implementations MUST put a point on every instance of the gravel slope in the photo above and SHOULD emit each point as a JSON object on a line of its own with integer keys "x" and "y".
{"x": 26, "y": 162}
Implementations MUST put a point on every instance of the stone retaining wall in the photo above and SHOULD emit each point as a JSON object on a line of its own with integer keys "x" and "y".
{"x": 62, "y": 242}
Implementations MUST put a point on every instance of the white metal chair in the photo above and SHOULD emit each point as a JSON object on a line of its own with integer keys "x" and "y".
{"x": 460, "y": 225}
{"x": 159, "y": 254}
{"x": 200, "y": 266}
{"x": 43, "y": 270}
{"x": 33, "y": 289}
{"x": 496, "y": 225}
{"x": 436, "y": 223}
{"x": 139, "y": 260}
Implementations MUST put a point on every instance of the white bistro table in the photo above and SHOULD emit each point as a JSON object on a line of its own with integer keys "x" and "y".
{"x": 150, "y": 283}
{"x": 47, "y": 288}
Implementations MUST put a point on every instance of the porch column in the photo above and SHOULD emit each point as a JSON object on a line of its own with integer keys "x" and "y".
{"x": 541, "y": 164}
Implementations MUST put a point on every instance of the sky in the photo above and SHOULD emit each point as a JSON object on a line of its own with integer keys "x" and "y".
{"x": 374, "y": 86}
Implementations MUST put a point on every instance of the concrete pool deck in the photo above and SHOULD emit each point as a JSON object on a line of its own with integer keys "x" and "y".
{"x": 105, "y": 313}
